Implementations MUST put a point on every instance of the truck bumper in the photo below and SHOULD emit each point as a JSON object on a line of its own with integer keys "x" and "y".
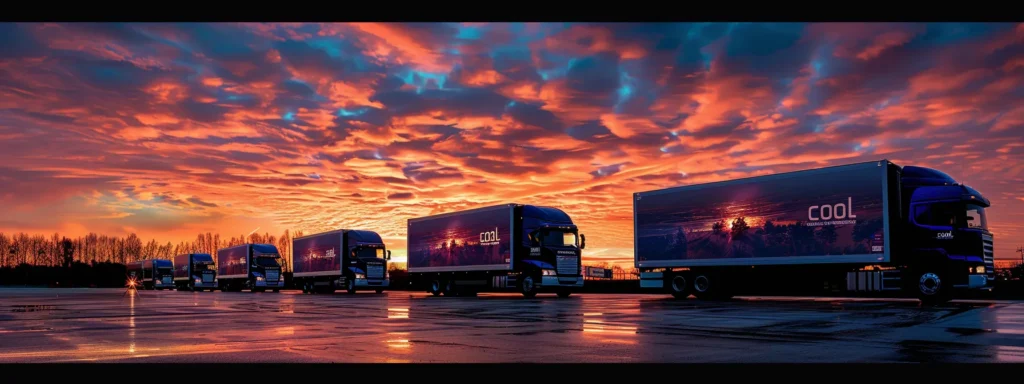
{"x": 274, "y": 284}
{"x": 367, "y": 283}
{"x": 977, "y": 281}
{"x": 555, "y": 281}
{"x": 205, "y": 285}
{"x": 652, "y": 280}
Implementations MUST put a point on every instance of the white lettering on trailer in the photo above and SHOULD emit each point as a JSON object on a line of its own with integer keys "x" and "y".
{"x": 829, "y": 212}
{"x": 489, "y": 237}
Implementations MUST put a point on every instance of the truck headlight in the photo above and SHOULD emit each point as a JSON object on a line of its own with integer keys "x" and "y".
{"x": 259, "y": 278}
{"x": 360, "y": 276}
{"x": 979, "y": 269}
{"x": 548, "y": 272}
{"x": 199, "y": 281}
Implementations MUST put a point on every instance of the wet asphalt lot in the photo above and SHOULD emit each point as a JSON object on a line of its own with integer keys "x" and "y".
{"x": 102, "y": 325}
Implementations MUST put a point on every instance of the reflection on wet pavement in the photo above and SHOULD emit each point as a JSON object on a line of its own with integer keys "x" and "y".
{"x": 100, "y": 325}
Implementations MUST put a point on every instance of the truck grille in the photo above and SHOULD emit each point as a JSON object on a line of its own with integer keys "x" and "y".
{"x": 988, "y": 248}
{"x": 374, "y": 271}
{"x": 207, "y": 277}
{"x": 568, "y": 265}
{"x": 167, "y": 280}
{"x": 273, "y": 275}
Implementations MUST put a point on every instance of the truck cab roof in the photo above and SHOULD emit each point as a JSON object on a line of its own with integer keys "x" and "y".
{"x": 364, "y": 237}
{"x": 921, "y": 176}
{"x": 202, "y": 257}
{"x": 547, "y": 215}
{"x": 949, "y": 192}
{"x": 264, "y": 248}
{"x": 161, "y": 263}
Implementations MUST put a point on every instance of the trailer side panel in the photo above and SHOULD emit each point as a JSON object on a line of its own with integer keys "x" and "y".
{"x": 317, "y": 255}
{"x": 828, "y": 215}
{"x": 476, "y": 240}
{"x": 181, "y": 266}
{"x": 233, "y": 262}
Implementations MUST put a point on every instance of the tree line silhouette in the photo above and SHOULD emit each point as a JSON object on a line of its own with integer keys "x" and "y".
{"x": 62, "y": 251}
{"x": 738, "y": 239}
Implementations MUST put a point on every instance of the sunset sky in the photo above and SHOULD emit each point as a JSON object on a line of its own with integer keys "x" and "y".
{"x": 168, "y": 130}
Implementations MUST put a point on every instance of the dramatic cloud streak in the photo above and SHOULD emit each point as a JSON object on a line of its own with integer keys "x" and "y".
{"x": 168, "y": 130}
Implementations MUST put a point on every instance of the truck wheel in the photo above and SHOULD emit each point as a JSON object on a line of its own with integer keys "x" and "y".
{"x": 528, "y": 287}
{"x": 350, "y": 286}
{"x": 702, "y": 287}
{"x": 450, "y": 289}
{"x": 435, "y": 288}
{"x": 931, "y": 289}
{"x": 563, "y": 293}
{"x": 277, "y": 291}
{"x": 678, "y": 287}
{"x": 379, "y": 291}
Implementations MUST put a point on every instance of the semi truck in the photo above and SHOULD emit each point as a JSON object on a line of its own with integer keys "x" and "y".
{"x": 195, "y": 272}
{"x": 519, "y": 247}
{"x": 256, "y": 267}
{"x": 152, "y": 273}
{"x": 344, "y": 258}
{"x": 851, "y": 229}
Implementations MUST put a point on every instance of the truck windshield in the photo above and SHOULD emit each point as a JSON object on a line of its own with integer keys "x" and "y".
{"x": 976, "y": 217}
{"x": 164, "y": 271}
{"x": 268, "y": 261}
{"x": 558, "y": 239}
{"x": 369, "y": 253}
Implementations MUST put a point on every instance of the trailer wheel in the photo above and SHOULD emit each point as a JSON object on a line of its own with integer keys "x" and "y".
{"x": 710, "y": 286}
{"x": 435, "y": 288}
{"x": 528, "y": 287}
{"x": 931, "y": 289}
{"x": 450, "y": 289}
{"x": 679, "y": 287}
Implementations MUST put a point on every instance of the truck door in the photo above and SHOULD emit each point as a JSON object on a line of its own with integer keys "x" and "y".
{"x": 939, "y": 225}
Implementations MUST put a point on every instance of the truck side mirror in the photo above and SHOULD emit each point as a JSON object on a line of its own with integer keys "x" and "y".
{"x": 583, "y": 241}
{"x": 389, "y": 255}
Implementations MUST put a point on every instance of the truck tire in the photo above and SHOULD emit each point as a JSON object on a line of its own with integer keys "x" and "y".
{"x": 435, "y": 288}
{"x": 930, "y": 287}
{"x": 528, "y": 286}
{"x": 350, "y": 286}
{"x": 564, "y": 293}
{"x": 710, "y": 286}
{"x": 450, "y": 289}
{"x": 679, "y": 287}
{"x": 379, "y": 291}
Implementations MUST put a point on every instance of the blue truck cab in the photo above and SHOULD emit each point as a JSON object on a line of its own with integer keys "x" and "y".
{"x": 256, "y": 267}
{"x": 509, "y": 247}
{"x": 951, "y": 243}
